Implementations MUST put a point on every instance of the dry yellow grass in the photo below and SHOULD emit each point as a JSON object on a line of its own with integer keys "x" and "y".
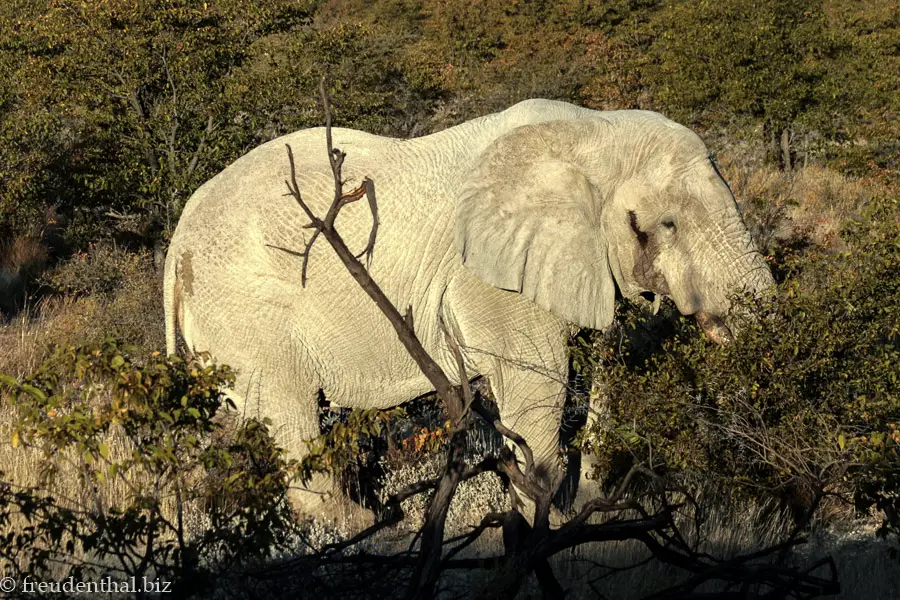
{"x": 25, "y": 339}
{"x": 133, "y": 313}
{"x": 814, "y": 201}
{"x": 22, "y": 252}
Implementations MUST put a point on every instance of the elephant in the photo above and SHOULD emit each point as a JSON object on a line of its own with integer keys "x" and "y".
{"x": 504, "y": 232}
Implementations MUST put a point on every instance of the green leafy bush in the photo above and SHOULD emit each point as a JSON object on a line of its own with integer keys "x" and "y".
{"x": 117, "y": 111}
{"x": 130, "y": 106}
{"x": 139, "y": 439}
{"x": 99, "y": 271}
{"x": 806, "y": 400}
{"x": 343, "y": 446}
{"x": 123, "y": 111}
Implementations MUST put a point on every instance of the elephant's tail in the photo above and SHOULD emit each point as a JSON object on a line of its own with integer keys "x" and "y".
{"x": 171, "y": 299}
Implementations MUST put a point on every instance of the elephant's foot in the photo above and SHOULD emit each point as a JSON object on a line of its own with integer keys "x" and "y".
{"x": 330, "y": 508}
{"x": 588, "y": 489}
{"x": 527, "y": 509}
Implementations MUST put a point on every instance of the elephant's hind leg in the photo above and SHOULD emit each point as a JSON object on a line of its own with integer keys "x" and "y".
{"x": 290, "y": 401}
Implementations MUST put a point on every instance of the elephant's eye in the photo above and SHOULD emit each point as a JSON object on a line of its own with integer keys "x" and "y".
{"x": 669, "y": 226}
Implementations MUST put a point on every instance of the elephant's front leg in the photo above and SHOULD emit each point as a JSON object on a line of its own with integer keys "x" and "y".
{"x": 521, "y": 349}
{"x": 530, "y": 400}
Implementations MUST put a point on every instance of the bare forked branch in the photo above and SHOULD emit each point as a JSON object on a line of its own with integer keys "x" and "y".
{"x": 427, "y": 570}
{"x": 494, "y": 421}
{"x": 366, "y": 188}
{"x": 326, "y": 228}
{"x": 369, "y": 187}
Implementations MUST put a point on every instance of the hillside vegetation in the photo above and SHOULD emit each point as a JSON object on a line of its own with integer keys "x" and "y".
{"x": 113, "y": 112}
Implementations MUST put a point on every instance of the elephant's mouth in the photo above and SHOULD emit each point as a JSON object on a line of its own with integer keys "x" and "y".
{"x": 714, "y": 327}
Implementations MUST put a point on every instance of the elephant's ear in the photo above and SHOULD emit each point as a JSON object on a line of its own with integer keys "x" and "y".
{"x": 528, "y": 220}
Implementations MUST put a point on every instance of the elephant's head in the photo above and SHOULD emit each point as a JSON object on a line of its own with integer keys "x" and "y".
{"x": 565, "y": 211}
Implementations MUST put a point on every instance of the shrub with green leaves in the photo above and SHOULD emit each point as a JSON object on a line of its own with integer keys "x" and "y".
{"x": 99, "y": 271}
{"x": 141, "y": 439}
{"x": 806, "y": 400}
{"x": 116, "y": 106}
{"x": 342, "y": 447}
{"x": 117, "y": 111}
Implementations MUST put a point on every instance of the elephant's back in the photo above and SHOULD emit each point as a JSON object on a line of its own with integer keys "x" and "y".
{"x": 255, "y": 183}
{"x": 243, "y": 230}
{"x": 244, "y": 219}
{"x": 252, "y": 182}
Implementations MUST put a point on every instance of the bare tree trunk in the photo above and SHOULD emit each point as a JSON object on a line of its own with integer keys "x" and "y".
{"x": 427, "y": 571}
{"x": 770, "y": 134}
{"x": 786, "y": 149}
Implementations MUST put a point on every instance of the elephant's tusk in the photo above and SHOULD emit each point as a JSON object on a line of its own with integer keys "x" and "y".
{"x": 654, "y": 306}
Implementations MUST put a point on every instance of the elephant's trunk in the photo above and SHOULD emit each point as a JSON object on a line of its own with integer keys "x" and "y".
{"x": 714, "y": 327}
{"x": 720, "y": 325}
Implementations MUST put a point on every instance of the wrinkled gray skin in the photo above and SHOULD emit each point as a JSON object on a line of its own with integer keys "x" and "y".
{"x": 506, "y": 229}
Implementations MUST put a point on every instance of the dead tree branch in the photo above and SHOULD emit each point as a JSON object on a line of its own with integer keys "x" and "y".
{"x": 427, "y": 569}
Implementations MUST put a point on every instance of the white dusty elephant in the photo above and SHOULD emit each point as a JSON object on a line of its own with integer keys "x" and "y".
{"x": 504, "y": 230}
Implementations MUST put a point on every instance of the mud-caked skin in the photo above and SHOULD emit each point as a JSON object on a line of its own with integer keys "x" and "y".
{"x": 504, "y": 231}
